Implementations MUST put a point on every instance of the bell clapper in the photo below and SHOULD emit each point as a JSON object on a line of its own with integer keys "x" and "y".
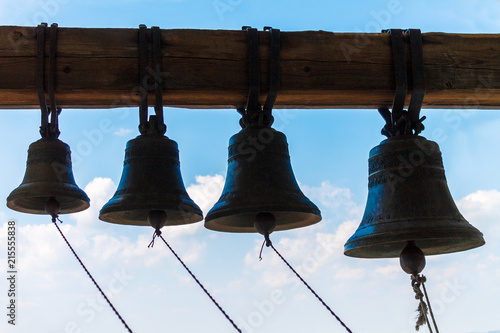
{"x": 412, "y": 261}
{"x": 52, "y": 207}
{"x": 265, "y": 223}
{"x": 157, "y": 219}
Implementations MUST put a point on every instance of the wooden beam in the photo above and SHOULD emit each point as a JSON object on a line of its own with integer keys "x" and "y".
{"x": 98, "y": 68}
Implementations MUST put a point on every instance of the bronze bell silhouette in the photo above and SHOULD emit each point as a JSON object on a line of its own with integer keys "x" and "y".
{"x": 48, "y": 175}
{"x": 151, "y": 184}
{"x": 409, "y": 203}
{"x": 260, "y": 183}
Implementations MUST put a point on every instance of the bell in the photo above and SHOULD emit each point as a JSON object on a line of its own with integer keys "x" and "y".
{"x": 150, "y": 186}
{"x": 409, "y": 203}
{"x": 48, "y": 176}
{"x": 260, "y": 187}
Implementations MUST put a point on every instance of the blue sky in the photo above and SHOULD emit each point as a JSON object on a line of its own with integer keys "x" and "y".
{"x": 329, "y": 158}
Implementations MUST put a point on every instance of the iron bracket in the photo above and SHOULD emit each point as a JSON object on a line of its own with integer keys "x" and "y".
{"x": 418, "y": 80}
{"x": 253, "y": 107}
{"x": 156, "y": 124}
{"x": 157, "y": 58}
{"x": 399, "y": 121}
{"x": 47, "y": 129}
{"x": 253, "y": 113}
{"x": 40, "y": 78}
{"x": 143, "y": 64}
{"x": 274, "y": 72}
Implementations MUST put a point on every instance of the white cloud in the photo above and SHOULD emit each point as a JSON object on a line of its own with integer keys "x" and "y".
{"x": 348, "y": 273}
{"x": 388, "y": 271}
{"x": 338, "y": 200}
{"x": 493, "y": 257}
{"x": 194, "y": 252}
{"x": 335, "y": 242}
{"x": 482, "y": 209}
{"x": 206, "y": 191}
{"x": 99, "y": 190}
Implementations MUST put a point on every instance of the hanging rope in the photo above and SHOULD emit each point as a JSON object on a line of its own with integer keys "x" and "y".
{"x": 158, "y": 234}
{"x": 270, "y": 244}
{"x": 54, "y": 219}
{"x": 155, "y": 234}
{"x": 423, "y": 308}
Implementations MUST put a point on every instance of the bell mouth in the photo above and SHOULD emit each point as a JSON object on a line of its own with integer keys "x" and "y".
{"x": 139, "y": 217}
{"x": 430, "y": 246}
{"x": 36, "y": 204}
{"x": 245, "y": 222}
{"x": 71, "y": 198}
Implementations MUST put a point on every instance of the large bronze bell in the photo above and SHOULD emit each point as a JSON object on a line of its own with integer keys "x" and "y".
{"x": 409, "y": 203}
{"x": 151, "y": 183}
{"x": 260, "y": 182}
{"x": 48, "y": 175}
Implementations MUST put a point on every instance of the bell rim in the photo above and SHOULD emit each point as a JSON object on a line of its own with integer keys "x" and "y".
{"x": 120, "y": 217}
{"x": 442, "y": 241}
{"x": 245, "y": 220}
{"x": 117, "y": 210}
{"x": 80, "y": 203}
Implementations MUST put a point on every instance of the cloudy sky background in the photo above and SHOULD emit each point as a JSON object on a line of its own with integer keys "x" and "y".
{"x": 329, "y": 151}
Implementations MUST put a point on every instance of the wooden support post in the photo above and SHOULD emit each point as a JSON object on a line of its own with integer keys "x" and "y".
{"x": 98, "y": 68}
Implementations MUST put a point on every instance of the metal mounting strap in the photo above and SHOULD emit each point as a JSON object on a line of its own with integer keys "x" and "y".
{"x": 54, "y": 110}
{"x": 143, "y": 63}
{"x": 274, "y": 72}
{"x": 398, "y": 56}
{"x": 40, "y": 76}
{"x": 253, "y": 106}
{"x": 395, "y": 120}
{"x": 47, "y": 129}
{"x": 157, "y": 57}
{"x": 418, "y": 79}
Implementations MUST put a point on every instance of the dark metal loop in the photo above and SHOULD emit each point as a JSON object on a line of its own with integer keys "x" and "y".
{"x": 157, "y": 57}
{"x": 399, "y": 121}
{"x": 253, "y": 114}
{"x": 156, "y": 124}
{"x": 48, "y": 129}
{"x": 253, "y": 106}
{"x": 274, "y": 72}
{"x": 250, "y": 112}
{"x": 40, "y": 78}
{"x": 54, "y": 110}
{"x": 418, "y": 79}
{"x": 143, "y": 63}
{"x": 398, "y": 56}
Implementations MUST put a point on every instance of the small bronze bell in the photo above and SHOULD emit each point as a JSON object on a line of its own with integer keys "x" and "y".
{"x": 151, "y": 184}
{"x": 260, "y": 180}
{"x": 409, "y": 201}
{"x": 48, "y": 175}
